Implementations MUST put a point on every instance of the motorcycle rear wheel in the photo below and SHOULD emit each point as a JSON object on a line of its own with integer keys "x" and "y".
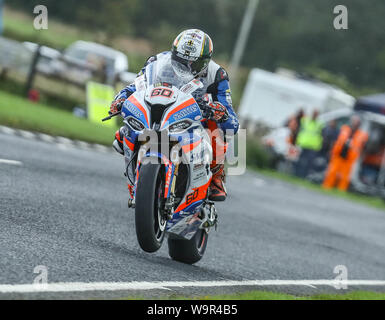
{"x": 149, "y": 223}
{"x": 188, "y": 251}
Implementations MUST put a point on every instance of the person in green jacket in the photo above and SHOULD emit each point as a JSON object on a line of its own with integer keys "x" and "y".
{"x": 310, "y": 141}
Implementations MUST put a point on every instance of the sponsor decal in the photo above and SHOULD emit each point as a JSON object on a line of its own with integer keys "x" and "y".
{"x": 163, "y": 84}
{"x": 198, "y": 166}
{"x": 189, "y": 47}
{"x": 187, "y": 87}
{"x": 133, "y": 109}
{"x": 179, "y": 126}
{"x": 168, "y": 179}
{"x": 186, "y": 56}
{"x": 199, "y": 176}
{"x": 135, "y": 124}
{"x": 185, "y": 112}
{"x": 194, "y": 35}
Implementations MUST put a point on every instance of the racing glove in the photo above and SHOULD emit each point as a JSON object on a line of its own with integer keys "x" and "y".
{"x": 213, "y": 110}
{"x": 219, "y": 112}
{"x": 116, "y": 105}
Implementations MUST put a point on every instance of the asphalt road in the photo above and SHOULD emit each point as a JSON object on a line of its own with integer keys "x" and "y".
{"x": 66, "y": 208}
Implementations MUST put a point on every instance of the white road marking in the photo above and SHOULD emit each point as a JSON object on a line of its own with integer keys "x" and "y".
{"x": 64, "y": 140}
{"x": 27, "y": 134}
{"x": 166, "y": 285}
{"x": 83, "y": 145}
{"x": 7, "y": 130}
{"x": 11, "y": 162}
{"x": 46, "y": 137}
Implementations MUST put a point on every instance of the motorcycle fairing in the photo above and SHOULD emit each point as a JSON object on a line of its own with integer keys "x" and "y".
{"x": 132, "y": 107}
{"x": 194, "y": 144}
{"x": 188, "y": 109}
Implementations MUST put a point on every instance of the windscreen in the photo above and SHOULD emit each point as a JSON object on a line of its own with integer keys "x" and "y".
{"x": 161, "y": 70}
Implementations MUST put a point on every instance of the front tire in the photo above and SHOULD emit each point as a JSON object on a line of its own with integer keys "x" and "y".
{"x": 150, "y": 225}
{"x": 188, "y": 251}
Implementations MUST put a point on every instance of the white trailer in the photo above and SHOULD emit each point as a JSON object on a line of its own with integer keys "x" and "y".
{"x": 271, "y": 98}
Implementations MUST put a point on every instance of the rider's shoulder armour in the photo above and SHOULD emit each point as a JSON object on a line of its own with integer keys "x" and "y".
{"x": 156, "y": 57}
{"x": 150, "y": 60}
{"x": 215, "y": 73}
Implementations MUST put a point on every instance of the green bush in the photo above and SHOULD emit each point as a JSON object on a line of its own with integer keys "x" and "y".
{"x": 257, "y": 155}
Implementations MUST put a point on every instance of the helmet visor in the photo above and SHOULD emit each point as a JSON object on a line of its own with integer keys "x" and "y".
{"x": 199, "y": 65}
{"x": 184, "y": 66}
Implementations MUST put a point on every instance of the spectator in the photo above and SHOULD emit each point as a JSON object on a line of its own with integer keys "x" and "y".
{"x": 294, "y": 125}
{"x": 374, "y": 157}
{"x": 310, "y": 141}
{"x": 371, "y": 165}
{"x": 329, "y": 136}
{"x": 345, "y": 152}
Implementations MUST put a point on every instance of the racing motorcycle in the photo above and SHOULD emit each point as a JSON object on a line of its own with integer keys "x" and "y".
{"x": 167, "y": 157}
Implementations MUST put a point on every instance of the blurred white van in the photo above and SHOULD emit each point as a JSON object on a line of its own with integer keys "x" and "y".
{"x": 271, "y": 98}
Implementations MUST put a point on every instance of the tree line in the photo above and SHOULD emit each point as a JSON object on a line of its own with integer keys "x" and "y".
{"x": 297, "y": 34}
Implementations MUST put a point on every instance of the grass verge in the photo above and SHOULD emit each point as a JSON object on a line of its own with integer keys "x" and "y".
{"x": 363, "y": 199}
{"x": 20, "y": 113}
{"x": 19, "y": 25}
{"x": 266, "y": 295}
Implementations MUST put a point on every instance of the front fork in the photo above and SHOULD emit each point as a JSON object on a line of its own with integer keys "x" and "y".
{"x": 169, "y": 205}
{"x": 171, "y": 173}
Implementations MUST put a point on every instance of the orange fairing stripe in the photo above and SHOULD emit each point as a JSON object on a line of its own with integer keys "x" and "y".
{"x": 183, "y": 105}
{"x": 117, "y": 136}
{"x": 137, "y": 104}
{"x": 188, "y": 147}
{"x": 202, "y": 192}
{"x": 129, "y": 144}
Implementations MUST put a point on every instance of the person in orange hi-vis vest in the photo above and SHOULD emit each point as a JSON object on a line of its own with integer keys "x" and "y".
{"x": 345, "y": 152}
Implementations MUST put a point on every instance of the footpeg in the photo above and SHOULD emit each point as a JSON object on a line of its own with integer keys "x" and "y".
{"x": 210, "y": 216}
{"x": 131, "y": 203}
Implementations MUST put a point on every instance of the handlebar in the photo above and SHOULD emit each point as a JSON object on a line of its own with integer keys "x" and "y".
{"x": 111, "y": 116}
{"x": 206, "y": 110}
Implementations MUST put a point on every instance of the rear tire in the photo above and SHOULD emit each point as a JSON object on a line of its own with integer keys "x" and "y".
{"x": 150, "y": 226}
{"x": 188, "y": 251}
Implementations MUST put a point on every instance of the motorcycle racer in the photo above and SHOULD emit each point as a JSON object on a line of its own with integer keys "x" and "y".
{"x": 189, "y": 58}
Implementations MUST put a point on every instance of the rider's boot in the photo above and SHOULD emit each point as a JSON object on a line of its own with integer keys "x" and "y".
{"x": 118, "y": 142}
{"x": 217, "y": 185}
{"x": 118, "y": 146}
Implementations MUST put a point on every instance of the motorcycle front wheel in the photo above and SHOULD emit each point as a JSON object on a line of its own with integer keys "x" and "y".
{"x": 188, "y": 251}
{"x": 149, "y": 222}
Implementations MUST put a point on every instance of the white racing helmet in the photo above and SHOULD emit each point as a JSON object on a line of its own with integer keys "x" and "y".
{"x": 191, "y": 53}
